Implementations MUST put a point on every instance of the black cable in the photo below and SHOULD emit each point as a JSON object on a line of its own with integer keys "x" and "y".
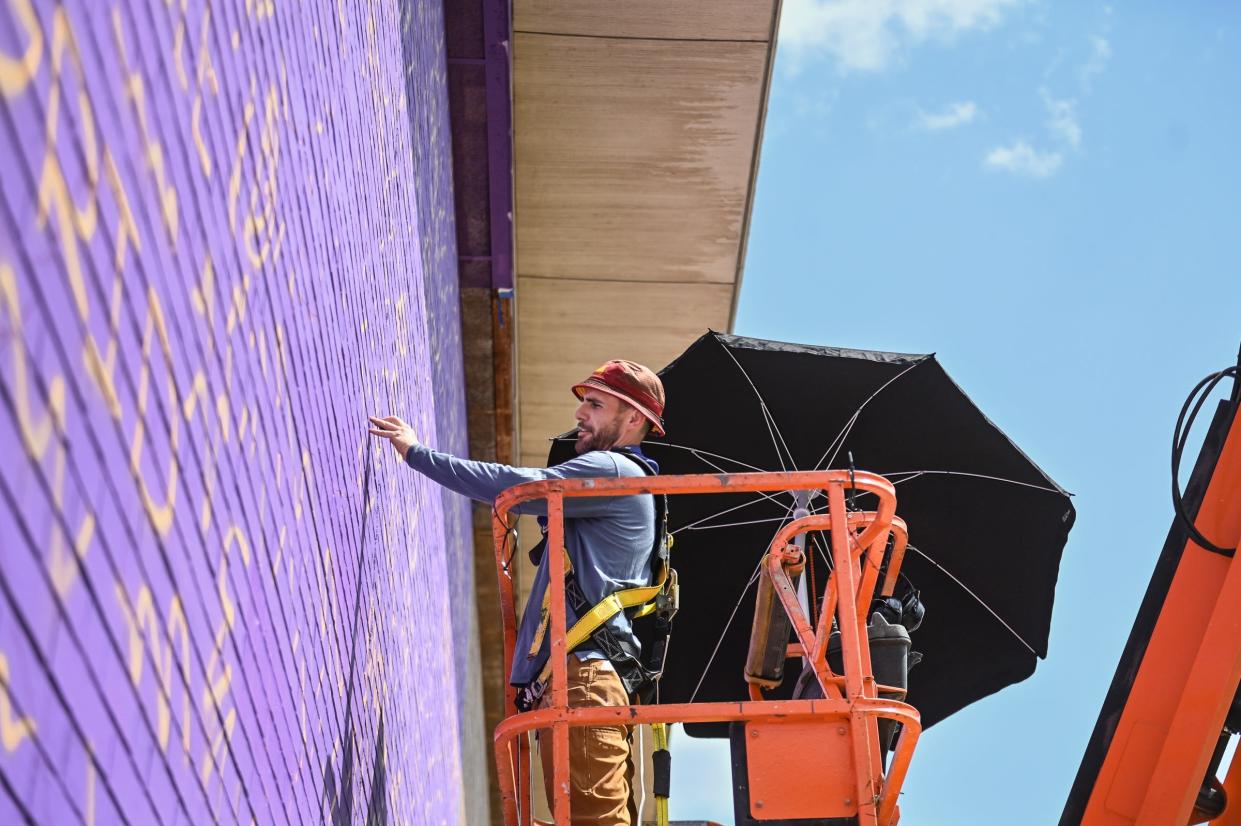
{"x": 1236, "y": 385}
{"x": 1197, "y": 397}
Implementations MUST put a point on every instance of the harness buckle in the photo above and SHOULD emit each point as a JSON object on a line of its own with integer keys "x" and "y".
{"x": 668, "y": 600}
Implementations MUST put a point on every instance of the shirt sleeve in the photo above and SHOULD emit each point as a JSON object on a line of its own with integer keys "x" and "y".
{"x": 484, "y": 481}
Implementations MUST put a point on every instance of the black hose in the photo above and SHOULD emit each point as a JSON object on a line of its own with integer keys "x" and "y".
{"x": 1197, "y": 397}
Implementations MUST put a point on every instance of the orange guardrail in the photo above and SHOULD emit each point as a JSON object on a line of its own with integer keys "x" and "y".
{"x": 851, "y": 706}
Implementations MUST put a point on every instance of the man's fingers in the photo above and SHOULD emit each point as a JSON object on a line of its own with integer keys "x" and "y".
{"x": 382, "y": 433}
{"x": 378, "y": 422}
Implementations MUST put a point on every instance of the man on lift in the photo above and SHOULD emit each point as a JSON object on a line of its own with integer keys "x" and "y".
{"x": 609, "y": 541}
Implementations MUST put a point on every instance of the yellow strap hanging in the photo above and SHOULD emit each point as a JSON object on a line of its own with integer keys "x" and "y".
{"x": 660, "y": 730}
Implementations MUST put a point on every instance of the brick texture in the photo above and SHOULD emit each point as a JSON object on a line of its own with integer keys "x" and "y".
{"x": 226, "y": 236}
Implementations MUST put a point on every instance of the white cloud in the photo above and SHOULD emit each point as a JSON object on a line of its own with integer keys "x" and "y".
{"x": 866, "y": 35}
{"x": 956, "y": 114}
{"x": 1062, "y": 119}
{"x": 1020, "y": 159}
{"x": 1100, "y": 53}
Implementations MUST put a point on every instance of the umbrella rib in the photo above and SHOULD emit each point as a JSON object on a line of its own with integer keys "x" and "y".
{"x": 696, "y": 527}
{"x": 753, "y": 578}
{"x": 979, "y": 599}
{"x": 839, "y": 441}
{"x": 840, "y": 437}
{"x": 762, "y": 497}
{"x": 914, "y": 474}
{"x": 818, "y": 543}
{"x": 761, "y": 494}
{"x": 736, "y": 606}
{"x": 773, "y": 429}
{"x": 699, "y": 453}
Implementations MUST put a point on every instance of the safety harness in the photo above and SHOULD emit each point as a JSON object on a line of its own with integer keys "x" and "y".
{"x": 660, "y": 600}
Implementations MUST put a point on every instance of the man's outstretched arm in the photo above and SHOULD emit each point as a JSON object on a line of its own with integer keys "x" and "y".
{"x": 484, "y": 481}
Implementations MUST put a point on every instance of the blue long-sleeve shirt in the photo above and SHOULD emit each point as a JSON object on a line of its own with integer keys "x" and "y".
{"x": 608, "y": 538}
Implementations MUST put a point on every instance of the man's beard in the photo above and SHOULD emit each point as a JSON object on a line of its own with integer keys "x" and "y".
{"x": 604, "y": 437}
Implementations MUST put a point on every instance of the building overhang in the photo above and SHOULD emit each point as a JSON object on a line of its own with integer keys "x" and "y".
{"x": 636, "y": 137}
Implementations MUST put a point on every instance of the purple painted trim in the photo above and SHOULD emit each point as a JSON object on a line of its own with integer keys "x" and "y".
{"x": 497, "y": 20}
{"x": 467, "y": 61}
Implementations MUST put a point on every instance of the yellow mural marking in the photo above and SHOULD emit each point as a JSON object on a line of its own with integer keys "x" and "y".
{"x": 62, "y": 566}
{"x": 260, "y": 9}
{"x": 219, "y": 672}
{"x": 16, "y": 73}
{"x": 233, "y": 537}
{"x": 37, "y": 435}
{"x": 196, "y": 131}
{"x": 13, "y": 730}
{"x": 254, "y": 431}
{"x": 327, "y": 596}
{"x": 126, "y": 230}
{"x": 197, "y": 400}
{"x": 207, "y": 81}
{"x": 161, "y": 515}
{"x": 401, "y": 324}
{"x": 263, "y": 359}
{"x": 135, "y": 90}
{"x": 223, "y": 415}
{"x": 74, "y": 223}
{"x": 178, "y": 56}
{"x": 262, "y": 233}
{"x": 202, "y": 296}
{"x": 239, "y": 154}
{"x": 143, "y": 616}
{"x": 52, "y": 184}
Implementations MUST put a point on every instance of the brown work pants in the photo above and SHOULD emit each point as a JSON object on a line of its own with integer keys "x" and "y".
{"x": 599, "y": 767}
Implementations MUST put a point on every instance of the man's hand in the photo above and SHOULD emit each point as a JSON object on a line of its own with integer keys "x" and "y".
{"x": 395, "y": 431}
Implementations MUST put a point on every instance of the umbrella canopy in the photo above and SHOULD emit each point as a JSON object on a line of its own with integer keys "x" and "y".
{"x": 986, "y": 525}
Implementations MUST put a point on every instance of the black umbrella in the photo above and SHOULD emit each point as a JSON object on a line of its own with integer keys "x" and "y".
{"x": 986, "y": 525}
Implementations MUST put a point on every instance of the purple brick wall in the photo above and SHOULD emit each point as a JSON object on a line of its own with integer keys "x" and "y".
{"x": 225, "y": 237}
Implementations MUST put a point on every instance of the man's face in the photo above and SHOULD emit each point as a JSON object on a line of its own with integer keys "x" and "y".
{"x": 601, "y": 419}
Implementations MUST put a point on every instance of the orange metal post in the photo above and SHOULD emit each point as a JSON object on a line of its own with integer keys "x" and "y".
{"x": 855, "y": 656}
{"x": 1187, "y": 678}
{"x": 1211, "y": 683}
{"x": 871, "y": 560}
{"x": 560, "y": 678}
{"x": 508, "y": 760}
{"x": 901, "y": 532}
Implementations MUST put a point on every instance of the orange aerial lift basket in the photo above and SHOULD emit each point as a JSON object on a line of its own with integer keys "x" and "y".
{"x": 839, "y": 770}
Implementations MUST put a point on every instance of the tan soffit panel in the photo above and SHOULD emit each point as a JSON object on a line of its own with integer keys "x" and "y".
{"x": 633, "y": 158}
{"x": 568, "y": 328}
{"x": 666, "y": 19}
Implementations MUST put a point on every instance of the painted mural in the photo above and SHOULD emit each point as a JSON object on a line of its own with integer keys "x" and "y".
{"x": 225, "y": 238}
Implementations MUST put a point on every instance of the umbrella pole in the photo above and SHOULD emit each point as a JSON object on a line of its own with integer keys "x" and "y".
{"x": 801, "y": 511}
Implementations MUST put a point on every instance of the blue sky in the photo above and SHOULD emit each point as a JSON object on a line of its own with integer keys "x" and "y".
{"x": 1047, "y": 195}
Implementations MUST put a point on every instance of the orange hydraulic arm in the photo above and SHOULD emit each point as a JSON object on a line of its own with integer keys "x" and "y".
{"x": 1159, "y": 733}
{"x": 839, "y": 770}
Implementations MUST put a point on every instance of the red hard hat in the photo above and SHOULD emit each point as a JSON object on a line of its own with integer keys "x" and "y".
{"x": 631, "y": 383}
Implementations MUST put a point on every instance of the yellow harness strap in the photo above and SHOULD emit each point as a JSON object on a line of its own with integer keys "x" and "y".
{"x": 641, "y": 598}
{"x": 545, "y": 613}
